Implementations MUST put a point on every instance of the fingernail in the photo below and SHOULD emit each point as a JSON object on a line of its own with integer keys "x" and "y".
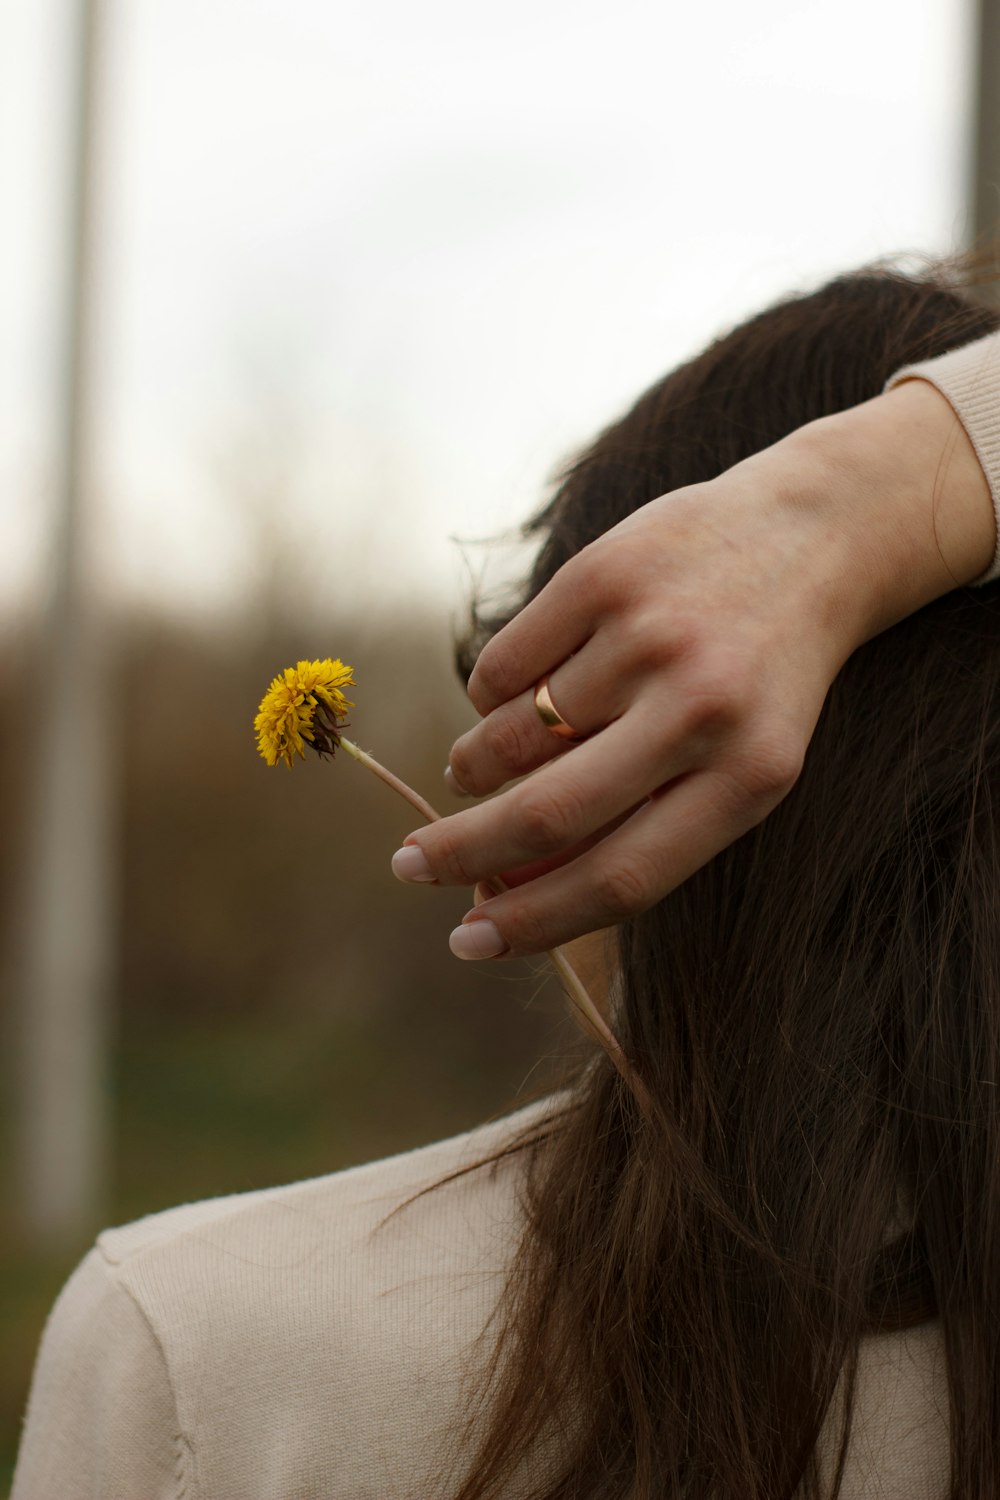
{"x": 477, "y": 940}
{"x": 410, "y": 863}
{"x": 453, "y": 784}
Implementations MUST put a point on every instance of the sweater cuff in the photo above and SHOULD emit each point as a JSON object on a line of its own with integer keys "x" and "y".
{"x": 969, "y": 378}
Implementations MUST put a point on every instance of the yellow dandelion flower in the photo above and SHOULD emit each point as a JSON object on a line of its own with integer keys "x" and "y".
{"x": 304, "y": 704}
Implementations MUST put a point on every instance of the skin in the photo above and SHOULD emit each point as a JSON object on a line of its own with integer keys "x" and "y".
{"x": 694, "y": 645}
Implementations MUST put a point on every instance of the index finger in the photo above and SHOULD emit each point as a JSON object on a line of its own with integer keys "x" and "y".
{"x": 544, "y": 633}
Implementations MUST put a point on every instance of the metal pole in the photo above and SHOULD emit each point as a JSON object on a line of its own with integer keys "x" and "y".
{"x": 64, "y": 977}
{"x": 986, "y": 128}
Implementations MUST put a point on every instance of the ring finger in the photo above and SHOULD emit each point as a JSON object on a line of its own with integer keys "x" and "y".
{"x": 512, "y": 740}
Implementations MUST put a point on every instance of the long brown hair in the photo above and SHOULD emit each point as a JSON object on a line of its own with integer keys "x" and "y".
{"x": 816, "y": 1014}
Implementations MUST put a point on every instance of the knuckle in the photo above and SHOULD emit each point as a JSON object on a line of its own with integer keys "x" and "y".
{"x": 509, "y": 743}
{"x": 609, "y": 573}
{"x": 446, "y": 857}
{"x": 769, "y": 767}
{"x": 494, "y": 677}
{"x": 625, "y": 887}
{"x": 588, "y": 570}
{"x": 525, "y": 931}
{"x": 784, "y": 759}
{"x": 463, "y": 767}
{"x": 655, "y": 638}
{"x": 548, "y": 821}
{"x": 648, "y": 645}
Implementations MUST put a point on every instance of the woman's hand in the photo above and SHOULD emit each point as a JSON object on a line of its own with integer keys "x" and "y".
{"x": 693, "y": 646}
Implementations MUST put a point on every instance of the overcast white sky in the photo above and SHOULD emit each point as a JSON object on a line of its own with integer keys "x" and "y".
{"x": 368, "y": 269}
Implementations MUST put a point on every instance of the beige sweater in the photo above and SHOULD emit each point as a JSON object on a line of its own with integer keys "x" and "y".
{"x": 293, "y": 1344}
{"x": 279, "y": 1345}
{"x": 274, "y": 1345}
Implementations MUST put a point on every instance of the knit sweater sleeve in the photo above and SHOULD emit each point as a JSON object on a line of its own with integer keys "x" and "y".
{"x": 101, "y": 1421}
{"x": 970, "y": 379}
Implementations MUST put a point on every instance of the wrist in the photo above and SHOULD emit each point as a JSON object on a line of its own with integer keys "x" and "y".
{"x": 908, "y": 498}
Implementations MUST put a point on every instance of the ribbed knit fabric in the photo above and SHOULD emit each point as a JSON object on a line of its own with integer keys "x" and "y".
{"x": 970, "y": 379}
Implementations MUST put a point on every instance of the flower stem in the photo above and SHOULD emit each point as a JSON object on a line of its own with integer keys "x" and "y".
{"x": 587, "y": 1014}
{"x": 384, "y": 774}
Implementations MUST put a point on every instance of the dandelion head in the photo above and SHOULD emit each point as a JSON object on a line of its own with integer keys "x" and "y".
{"x": 304, "y": 705}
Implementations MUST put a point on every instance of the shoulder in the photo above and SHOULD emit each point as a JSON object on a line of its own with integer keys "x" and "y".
{"x": 340, "y": 1210}
{"x": 330, "y": 1247}
{"x": 325, "y": 1321}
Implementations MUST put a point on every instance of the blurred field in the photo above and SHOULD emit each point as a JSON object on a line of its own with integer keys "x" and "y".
{"x": 283, "y": 1006}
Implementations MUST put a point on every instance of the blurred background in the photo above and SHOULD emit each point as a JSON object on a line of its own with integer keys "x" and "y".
{"x": 299, "y": 303}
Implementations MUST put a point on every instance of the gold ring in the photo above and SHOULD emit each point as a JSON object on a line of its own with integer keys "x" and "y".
{"x": 550, "y": 715}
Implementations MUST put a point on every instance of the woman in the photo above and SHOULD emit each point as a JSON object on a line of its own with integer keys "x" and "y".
{"x": 782, "y": 1277}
